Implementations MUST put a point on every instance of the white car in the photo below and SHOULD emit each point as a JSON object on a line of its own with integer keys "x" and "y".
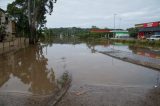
{"x": 154, "y": 38}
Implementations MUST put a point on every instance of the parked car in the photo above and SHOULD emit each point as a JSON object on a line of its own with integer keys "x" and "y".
{"x": 154, "y": 38}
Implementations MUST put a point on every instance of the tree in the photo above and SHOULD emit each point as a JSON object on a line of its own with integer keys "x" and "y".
{"x": 94, "y": 27}
{"x": 19, "y": 16}
{"x": 133, "y": 32}
{"x": 36, "y": 14}
{"x": 32, "y": 11}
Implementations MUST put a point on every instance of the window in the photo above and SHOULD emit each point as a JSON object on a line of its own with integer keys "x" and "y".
{"x": 157, "y": 36}
{"x": 6, "y": 20}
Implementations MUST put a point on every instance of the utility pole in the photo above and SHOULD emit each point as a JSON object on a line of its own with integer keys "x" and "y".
{"x": 114, "y": 23}
{"x": 120, "y": 23}
{"x": 114, "y": 20}
{"x": 114, "y": 27}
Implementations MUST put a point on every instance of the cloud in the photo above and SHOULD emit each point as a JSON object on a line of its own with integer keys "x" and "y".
{"x": 85, "y": 13}
{"x": 3, "y": 3}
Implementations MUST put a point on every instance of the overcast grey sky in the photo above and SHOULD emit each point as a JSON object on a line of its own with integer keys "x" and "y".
{"x": 85, "y": 13}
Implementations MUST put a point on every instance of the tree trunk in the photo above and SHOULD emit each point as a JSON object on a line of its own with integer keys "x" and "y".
{"x": 30, "y": 20}
{"x": 32, "y": 36}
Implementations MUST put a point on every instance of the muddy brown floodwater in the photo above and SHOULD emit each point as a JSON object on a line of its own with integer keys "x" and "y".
{"x": 31, "y": 74}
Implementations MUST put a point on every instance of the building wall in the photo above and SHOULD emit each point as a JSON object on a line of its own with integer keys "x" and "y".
{"x": 2, "y": 17}
{"x": 123, "y": 34}
{"x": 148, "y": 29}
{"x": 9, "y": 25}
{"x": 157, "y": 33}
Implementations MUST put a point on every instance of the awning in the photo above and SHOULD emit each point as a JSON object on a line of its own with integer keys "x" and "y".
{"x": 152, "y": 29}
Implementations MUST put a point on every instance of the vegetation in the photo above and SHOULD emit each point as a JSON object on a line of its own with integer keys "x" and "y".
{"x": 133, "y": 32}
{"x": 83, "y": 33}
{"x": 21, "y": 19}
{"x": 64, "y": 80}
{"x": 67, "y": 31}
{"x": 30, "y": 16}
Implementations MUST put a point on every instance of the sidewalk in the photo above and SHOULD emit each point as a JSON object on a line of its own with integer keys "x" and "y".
{"x": 133, "y": 58}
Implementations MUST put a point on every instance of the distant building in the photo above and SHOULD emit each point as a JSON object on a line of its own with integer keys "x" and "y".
{"x": 103, "y": 32}
{"x": 8, "y": 25}
{"x": 112, "y": 33}
{"x": 100, "y": 31}
{"x": 120, "y": 33}
{"x": 148, "y": 29}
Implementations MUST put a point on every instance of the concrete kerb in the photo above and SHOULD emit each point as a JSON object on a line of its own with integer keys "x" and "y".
{"x": 137, "y": 62}
{"x": 57, "y": 98}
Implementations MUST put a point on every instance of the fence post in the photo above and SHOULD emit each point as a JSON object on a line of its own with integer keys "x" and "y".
{"x": 20, "y": 40}
{"x": 13, "y": 42}
{"x": 9, "y": 45}
{"x": 3, "y": 45}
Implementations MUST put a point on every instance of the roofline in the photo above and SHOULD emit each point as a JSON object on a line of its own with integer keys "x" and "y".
{"x": 147, "y": 23}
{"x": 119, "y": 31}
{"x": 99, "y": 31}
{"x": 2, "y": 10}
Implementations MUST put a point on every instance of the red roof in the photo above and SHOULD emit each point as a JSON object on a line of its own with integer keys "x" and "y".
{"x": 99, "y": 30}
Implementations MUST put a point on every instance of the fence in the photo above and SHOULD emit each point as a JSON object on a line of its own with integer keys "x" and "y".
{"x": 13, "y": 45}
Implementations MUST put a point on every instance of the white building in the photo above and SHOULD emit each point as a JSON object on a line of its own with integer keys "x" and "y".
{"x": 121, "y": 34}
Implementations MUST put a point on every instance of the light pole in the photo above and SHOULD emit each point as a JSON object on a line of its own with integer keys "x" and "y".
{"x": 114, "y": 23}
{"x": 114, "y": 28}
{"x": 120, "y": 23}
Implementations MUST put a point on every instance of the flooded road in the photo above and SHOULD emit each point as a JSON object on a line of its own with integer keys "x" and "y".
{"x": 97, "y": 69}
{"x": 36, "y": 69}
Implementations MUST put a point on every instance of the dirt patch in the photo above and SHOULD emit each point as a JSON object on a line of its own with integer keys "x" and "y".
{"x": 152, "y": 98}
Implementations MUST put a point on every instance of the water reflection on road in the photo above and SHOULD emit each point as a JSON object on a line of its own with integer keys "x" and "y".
{"x": 148, "y": 52}
{"x": 26, "y": 71}
{"x": 89, "y": 67}
{"x": 35, "y": 69}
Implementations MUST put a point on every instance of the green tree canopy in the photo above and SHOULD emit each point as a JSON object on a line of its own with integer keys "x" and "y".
{"x": 133, "y": 32}
{"x": 30, "y": 14}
